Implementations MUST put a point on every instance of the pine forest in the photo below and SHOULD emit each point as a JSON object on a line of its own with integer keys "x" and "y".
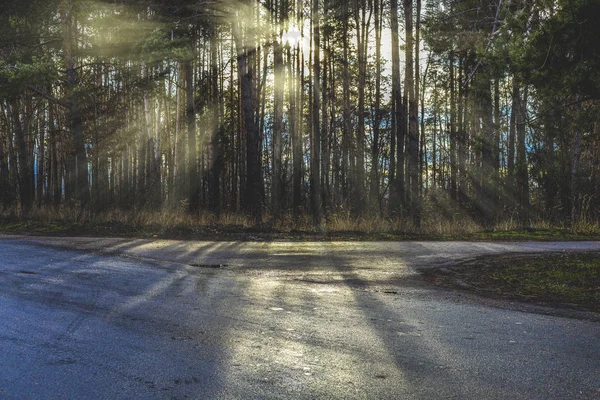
{"x": 292, "y": 113}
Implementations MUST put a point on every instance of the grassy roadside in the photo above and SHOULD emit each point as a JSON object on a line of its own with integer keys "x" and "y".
{"x": 180, "y": 224}
{"x": 565, "y": 279}
{"x": 268, "y": 232}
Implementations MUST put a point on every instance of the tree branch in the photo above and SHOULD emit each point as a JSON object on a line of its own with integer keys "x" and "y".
{"x": 49, "y": 97}
{"x": 489, "y": 43}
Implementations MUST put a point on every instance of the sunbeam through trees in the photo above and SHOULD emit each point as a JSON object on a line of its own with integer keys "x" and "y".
{"x": 275, "y": 109}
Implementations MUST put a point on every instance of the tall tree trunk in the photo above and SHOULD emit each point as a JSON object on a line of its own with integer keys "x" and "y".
{"x": 278, "y": 88}
{"x": 362, "y": 27}
{"x": 424, "y": 167}
{"x": 295, "y": 135}
{"x": 192, "y": 164}
{"x": 413, "y": 134}
{"x": 522, "y": 174}
{"x": 235, "y": 138}
{"x": 398, "y": 121}
{"x": 246, "y": 55}
{"x": 181, "y": 174}
{"x": 434, "y": 146}
{"x": 12, "y": 159}
{"x": 125, "y": 183}
{"x": 374, "y": 178}
{"x": 325, "y": 194}
{"x": 497, "y": 124}
{"x": 216, "y": 166}
{"x": 416, "y": 97}
{"x": 81, "y": 163}
{"x": 453, "y": 164}
{"x": 55, "y": 182}
{"x": 153, "y": 183}
{"x": 488, "y": 186}
{"x": 315, "y": 174}
{"x": 5, "y": 197}
{"x": 512, "y": 134}
{"x": 346, "y": 117}
{"x": 143, "y": 191}
{"x": 462, "y": 136}
{"x": 550, "y": 175}
{"x": 26, "y": 189}
{"x": 262, "y": 95}
{"x": 41, "y": 162}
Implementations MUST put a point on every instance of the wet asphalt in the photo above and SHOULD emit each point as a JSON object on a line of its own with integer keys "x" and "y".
{"x": 86, "y": 318}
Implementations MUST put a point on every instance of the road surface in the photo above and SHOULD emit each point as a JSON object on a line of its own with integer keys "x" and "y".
{"x": 85, "y": 318}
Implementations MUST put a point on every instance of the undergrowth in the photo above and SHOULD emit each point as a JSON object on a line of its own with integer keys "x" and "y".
{"x": 181, "y": 223}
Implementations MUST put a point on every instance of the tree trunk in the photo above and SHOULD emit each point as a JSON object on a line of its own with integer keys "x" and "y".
{"x": 315, "y": 174}
{"x": 216, "y": 166}
{"x": 413, "y": 133}
{"x": 5, "y": 197}
{"x": 346, "y": 117}
{"x": 434, "y": 146}
{"x": 253, "y": 201}
{"x": 453, "y": 164}
{"x": 235, "y": 138}
{"x": 374, "y": 178}
{"x": 486, "y": 200}
{"x": 398, "y": 121}
{"x": 278, "y": 88}
{"x": 55, "y": 183}
{"x": 522, "y": 175}
{"x": 497, "y": 124}
{"x": 462, "y": 136}
{"x": 26, "y": 189}
{"x": 362, "y": 27}
{"x": 81, "y": 163}
{"x": 41, "y": 161}
{"x": 574, "y": 178}
{"x": 512, "y": 134}
{"x": 416, "y": 97}
{"x": 296, "y": 136}
{"x": 192, "y": 164}
{"x": 325, "y": 194}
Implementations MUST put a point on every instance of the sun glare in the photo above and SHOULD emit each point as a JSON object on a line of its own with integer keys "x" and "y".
{"x": 292, "y": 36}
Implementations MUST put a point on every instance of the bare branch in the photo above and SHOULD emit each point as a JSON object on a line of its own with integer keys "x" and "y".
{"x": 49, "y": 97}
{"x": 487, "y": 47}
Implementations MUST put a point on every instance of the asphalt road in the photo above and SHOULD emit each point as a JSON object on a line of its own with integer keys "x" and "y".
{"x": 89, "y": 318}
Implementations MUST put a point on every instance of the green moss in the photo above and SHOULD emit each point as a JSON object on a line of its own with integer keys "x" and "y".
{"x": 534, "y": 234}
{"x": 563, "y": 278}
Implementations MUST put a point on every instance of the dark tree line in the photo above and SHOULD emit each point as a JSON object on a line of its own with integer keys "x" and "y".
{"x": 278, "y": 107}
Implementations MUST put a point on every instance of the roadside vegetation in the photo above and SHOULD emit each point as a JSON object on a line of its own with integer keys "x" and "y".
{"x": 437, "y": 225}
{"x": 562, "y": 279}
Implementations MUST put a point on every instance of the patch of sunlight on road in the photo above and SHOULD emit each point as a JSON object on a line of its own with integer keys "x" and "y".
{"x": 305, "y": 343}
{"x": 292, "y": 254}
{"x": 321, "y": 290}
{"x": 134, "y": 243}
{"x": 152, "y": 292}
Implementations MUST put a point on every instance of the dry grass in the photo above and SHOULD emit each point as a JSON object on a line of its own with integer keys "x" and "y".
{"x": 174, "y": 222}
{"x": 586, "y": 226}
{"x": 376, "y": 224}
